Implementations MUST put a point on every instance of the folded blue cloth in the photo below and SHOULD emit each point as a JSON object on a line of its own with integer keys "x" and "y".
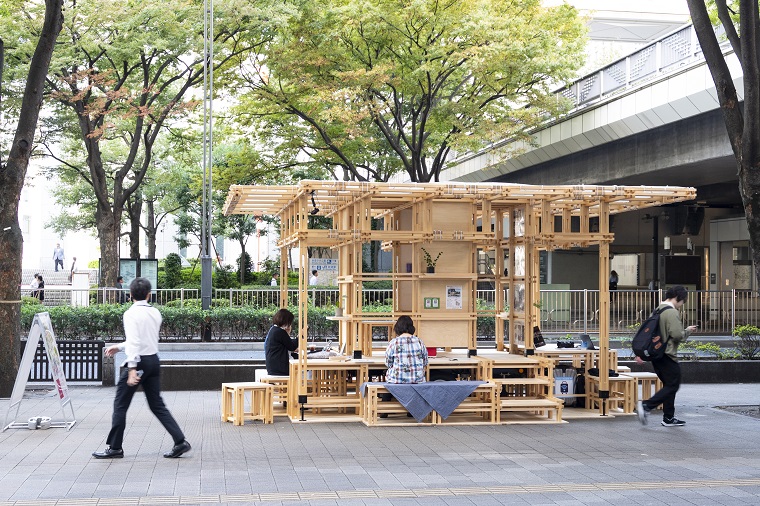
{"x": 422, "y": 398}
{"x": 445, "y": 396}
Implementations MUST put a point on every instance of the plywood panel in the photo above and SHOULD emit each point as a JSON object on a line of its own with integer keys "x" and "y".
{"x": 450, "y": 333}
{"x": 453, "y": 216}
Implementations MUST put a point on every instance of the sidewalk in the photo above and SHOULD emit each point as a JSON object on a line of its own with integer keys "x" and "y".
{"x": 714, "y": 459}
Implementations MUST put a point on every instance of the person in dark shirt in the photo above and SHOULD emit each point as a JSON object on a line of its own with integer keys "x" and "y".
{"x": 278, "y": 343}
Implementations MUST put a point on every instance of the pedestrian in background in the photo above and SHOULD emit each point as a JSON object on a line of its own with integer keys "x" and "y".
{"x": 58, "y": 256}
{"x": 142, "y": 323}
{"x": 667, "y": 367}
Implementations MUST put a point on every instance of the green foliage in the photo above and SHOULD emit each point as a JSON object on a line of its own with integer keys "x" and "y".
{"x": 244, "y": 268}
{"x": 376, "y": 87}
{"x": 172, "y": 270}
{"x": 747, "y": 341}
{"x": 429, "y": 260}
{"x": 224, "y": 278}
{"x": 104, "y": 321}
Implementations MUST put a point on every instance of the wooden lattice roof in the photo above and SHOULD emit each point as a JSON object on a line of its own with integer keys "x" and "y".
{"x": 329, "y": 196}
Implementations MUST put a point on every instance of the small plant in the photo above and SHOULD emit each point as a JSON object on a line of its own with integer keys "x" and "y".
{"x": 429, "y": 260}
{"x": 747, "y": 341}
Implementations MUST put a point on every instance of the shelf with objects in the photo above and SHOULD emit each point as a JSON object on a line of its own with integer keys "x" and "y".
{"x": 438, "y": 235}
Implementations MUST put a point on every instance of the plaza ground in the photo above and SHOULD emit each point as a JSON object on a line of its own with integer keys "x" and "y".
{"x": 714, "y": 459}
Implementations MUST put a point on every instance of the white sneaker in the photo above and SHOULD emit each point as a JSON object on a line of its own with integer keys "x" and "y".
{"x": 643, "y": 412}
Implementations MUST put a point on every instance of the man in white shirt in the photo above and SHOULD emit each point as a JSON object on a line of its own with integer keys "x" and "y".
{"x": 142, "y": 323}
{"x": 274, "y": 280}
{"x": 314, "y": 280}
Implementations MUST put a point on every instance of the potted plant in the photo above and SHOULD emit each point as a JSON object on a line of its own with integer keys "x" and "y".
{"x": 339, "y": 307}
{"x": 430, "y": 261}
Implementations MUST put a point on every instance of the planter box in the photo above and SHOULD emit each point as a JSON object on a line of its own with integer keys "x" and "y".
{"x": 711, "y": 371}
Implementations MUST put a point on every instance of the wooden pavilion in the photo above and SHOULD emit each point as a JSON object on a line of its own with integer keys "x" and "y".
{"x": 459, "y": 223}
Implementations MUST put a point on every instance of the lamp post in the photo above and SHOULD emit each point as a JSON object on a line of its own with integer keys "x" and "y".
{"x": 208, "y": 100}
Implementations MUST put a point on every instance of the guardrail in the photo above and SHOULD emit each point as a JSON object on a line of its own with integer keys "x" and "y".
{"x": 669, "y": 52}
{"x": 561, "y": 311}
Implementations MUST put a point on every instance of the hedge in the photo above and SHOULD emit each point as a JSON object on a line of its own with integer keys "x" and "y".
{"x": 104, "y": 321}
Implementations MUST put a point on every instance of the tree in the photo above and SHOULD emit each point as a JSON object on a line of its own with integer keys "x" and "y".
{"x": 370, "y": 87}
{"x": 126, "y": 69}
{"x": 742, "y": 124}
{"x": 12, "y": 174}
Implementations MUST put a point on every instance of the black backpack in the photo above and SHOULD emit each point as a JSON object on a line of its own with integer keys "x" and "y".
{"x": 648, "y": 344}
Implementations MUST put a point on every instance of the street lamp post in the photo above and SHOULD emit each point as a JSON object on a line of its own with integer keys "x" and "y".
{"x": 208, "y": 99}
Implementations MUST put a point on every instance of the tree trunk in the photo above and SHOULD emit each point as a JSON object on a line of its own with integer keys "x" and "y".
{"x": 135, "y": 213}
{"x": 108, "y": 232}
{"x": 743, "y": 128}
{"x": 150, "y": 228}
{"x": 12, "y": 176}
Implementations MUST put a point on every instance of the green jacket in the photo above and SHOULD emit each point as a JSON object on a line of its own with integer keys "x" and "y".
{"x": 672, "y": 329}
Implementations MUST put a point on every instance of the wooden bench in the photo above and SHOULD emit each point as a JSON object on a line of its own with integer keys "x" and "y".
{"x": 480, "y": 407}
{"x": 622, "y": 394}
{"x": 234, "y": 402}
{"x": 543, "y": 409}
{"x": 648, "y": 382}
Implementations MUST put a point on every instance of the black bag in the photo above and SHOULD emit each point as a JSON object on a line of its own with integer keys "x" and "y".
{"x": 648, "y": 344}
{"x": 538, "y": 338}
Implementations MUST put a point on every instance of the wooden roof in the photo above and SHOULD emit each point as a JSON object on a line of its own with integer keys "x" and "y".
{"x": 329, "y": 196}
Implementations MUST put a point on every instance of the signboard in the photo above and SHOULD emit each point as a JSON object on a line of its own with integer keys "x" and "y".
{"x": 147, "y": 268}
{"x": 41, "y": 328}
{"x": 327, "y": 268}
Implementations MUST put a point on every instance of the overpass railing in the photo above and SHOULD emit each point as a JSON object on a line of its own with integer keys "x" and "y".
{"x": 667, "y": 53}
{"x": 561, "y": 311}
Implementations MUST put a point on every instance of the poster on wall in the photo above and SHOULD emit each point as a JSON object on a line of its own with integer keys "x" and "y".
{"x": 327, "y": 269}
{"x": 453, "y": 297}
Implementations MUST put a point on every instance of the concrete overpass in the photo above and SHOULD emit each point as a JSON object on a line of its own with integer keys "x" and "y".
{"x": 649, "y": 118}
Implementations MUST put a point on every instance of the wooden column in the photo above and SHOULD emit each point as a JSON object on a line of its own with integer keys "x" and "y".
{"x": 604, "y": 304}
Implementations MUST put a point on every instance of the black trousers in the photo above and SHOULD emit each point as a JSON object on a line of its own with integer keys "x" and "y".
{"x": 151, "y": 383}
{"x": 669, "y": 372}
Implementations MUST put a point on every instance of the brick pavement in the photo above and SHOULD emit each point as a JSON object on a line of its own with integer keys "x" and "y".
{"x": 715, "y": 459}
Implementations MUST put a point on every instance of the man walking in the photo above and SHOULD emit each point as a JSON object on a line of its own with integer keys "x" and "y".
{"x": 667, "y": 367}
{"x": 141, "y": 326}
{"x": 58, "y": 256}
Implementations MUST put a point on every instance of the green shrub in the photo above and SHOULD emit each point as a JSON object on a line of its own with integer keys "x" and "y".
{"x": 224, "y": 278}
{"x": 172, "y": 270}
{"x": 244, "y": 268}
{"x": 747, "y": 341}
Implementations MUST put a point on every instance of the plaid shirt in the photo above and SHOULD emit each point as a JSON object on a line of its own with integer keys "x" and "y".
{"x": 406, "y": 358}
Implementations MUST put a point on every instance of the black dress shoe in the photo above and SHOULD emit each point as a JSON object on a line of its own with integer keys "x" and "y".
{"x": 109, "y": 453}
{"x": 178, "y": 450}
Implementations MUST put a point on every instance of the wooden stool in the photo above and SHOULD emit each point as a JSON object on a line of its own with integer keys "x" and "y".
{"x": 279, "y": 386}
{"x": 234, "y": 402}
{"x": 649, "y": 383}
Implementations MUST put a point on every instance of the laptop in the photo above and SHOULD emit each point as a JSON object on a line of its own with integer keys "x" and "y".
{"x": 586, "y": 343}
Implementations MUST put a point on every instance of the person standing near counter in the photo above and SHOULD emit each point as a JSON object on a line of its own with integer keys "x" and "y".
{"x": 278, "y": 344}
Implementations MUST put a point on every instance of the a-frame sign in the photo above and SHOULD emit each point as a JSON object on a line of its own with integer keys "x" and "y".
{"x": 41, "y": 328}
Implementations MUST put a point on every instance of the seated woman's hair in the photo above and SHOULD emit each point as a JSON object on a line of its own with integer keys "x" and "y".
{"x": 139, "y": 288}
{"x": 404, "y": 325}
{"x": 283, "y": 318}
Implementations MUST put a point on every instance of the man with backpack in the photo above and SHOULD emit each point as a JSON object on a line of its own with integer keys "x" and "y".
{"x": 666, "y": 367}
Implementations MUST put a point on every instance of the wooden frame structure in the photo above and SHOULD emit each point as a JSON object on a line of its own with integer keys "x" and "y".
{"x": 510, "y": 223}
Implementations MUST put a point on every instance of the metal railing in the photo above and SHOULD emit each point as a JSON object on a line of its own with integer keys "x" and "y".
{"x": 669, "y": 52}
{"x": 561, "y": 311}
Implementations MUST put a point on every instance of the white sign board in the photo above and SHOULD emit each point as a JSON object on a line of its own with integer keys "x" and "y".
{"x": 41, "y": 328}
{"x": 327, "y": 268}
